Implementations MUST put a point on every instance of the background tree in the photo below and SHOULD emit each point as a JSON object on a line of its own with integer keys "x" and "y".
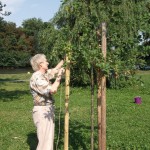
{"x": 14, "y": 53}
{"x": 47, "y": 38}
{"x": 31, "y": 27}
{"x": 18, "y": 44}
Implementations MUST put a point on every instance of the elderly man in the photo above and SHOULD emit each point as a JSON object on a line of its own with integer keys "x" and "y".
{"x": 42, "y": 90}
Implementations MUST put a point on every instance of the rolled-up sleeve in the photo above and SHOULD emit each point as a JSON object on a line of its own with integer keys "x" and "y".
{"x": 40, "y": 85}
{"x": 51, "y": 73}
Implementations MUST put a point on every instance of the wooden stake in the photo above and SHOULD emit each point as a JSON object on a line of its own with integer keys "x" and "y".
{"x": 101, "y": 96}
{"x": 99, "y": 80}
{"x": 103, "y": 92}
{"x": 67, "y": 93}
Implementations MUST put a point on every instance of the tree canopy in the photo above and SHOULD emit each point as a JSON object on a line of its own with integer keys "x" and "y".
{"x": 127, "y": 25}
{"x": 76, "y": 29}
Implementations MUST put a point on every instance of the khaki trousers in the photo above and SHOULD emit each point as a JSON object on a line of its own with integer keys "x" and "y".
{"x": 43, "y": 117}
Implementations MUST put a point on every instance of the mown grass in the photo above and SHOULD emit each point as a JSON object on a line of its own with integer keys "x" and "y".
{"x": 128, "y": 125}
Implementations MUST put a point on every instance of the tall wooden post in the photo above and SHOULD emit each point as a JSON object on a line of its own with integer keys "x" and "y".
{"x": 67, "y": 93}
{"x": 103, "y": 92}
{"x": 101, "y": 96}
{"x": 99, "y": 78}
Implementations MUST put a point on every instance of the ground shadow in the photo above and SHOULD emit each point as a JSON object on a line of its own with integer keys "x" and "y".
{"x": 79, "y": 135}
{"x": 9, "y": 80}
{"x": 15, "y": 70}
{"x": 77, "y": 138}
{"x": 32, "y": 141}
{"x": 7, "y": 96}
{"x": 3, "y": 81}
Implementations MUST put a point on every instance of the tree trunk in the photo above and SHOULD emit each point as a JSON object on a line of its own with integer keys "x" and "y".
{"x": 92, "y": 109}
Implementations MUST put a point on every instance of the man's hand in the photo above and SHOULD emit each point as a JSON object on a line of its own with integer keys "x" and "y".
{"x": 61, "y": 71}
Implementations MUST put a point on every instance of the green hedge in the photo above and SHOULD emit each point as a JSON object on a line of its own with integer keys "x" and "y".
{"x": 14, "y": 59}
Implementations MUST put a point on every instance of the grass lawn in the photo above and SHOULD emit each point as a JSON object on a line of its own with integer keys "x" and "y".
{"x": 128, "y": 124}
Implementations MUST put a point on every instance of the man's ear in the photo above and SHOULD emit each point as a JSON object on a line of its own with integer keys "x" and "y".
{"x": 40, "y": 65}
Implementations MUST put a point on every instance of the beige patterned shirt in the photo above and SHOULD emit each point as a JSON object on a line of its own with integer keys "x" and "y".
{"x": 40, "y": 87}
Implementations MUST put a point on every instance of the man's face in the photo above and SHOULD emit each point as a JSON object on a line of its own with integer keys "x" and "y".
{"x": 44, "y": 64}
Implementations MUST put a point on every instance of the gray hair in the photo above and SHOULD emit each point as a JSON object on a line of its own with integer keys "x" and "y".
{"x": 36, "y": 60}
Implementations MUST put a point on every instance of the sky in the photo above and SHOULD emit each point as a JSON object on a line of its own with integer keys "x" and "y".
{"x": 26, "y": 9}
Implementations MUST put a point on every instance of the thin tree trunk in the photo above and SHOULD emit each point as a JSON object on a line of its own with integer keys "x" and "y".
{"x": 92, "y": 109}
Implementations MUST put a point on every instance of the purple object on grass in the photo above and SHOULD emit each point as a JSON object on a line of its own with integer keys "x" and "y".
{"x": 138, "y": 100}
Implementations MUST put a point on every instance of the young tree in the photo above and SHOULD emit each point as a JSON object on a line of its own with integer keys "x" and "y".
{"x": 80, "y": 20}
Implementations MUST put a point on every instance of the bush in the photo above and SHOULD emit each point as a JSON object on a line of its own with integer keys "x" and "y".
{"x": 14, "y": 59}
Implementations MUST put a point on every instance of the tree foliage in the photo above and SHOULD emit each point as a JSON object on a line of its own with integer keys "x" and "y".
{"x": 76, "y": 29}
{"x": 14, "y": 46}
{"x": 79, "y": 22}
